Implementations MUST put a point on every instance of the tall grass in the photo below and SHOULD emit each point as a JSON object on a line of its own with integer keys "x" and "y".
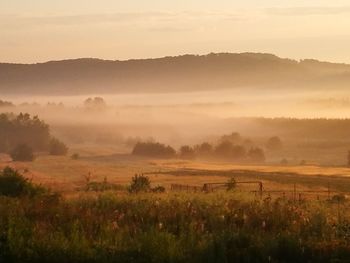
{"x": 218, "y": 227}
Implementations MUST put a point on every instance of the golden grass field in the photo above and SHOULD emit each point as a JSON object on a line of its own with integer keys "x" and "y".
{"x": 67, "y": 175}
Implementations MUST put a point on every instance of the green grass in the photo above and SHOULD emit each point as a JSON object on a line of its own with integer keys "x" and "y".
{"x": 173, "y": 227}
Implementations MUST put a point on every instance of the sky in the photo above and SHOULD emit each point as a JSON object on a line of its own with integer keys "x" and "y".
{"x": 41, "y": 30}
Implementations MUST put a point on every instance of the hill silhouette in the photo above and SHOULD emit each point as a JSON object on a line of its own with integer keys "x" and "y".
{"x": 170, "y": 74}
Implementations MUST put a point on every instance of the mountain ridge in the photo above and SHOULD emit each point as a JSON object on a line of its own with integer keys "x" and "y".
{"x": 183, "y": 73}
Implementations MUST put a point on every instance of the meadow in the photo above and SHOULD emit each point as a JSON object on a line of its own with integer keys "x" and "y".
{"x": 172, "y": 227}
{"x": 72, "y": 222}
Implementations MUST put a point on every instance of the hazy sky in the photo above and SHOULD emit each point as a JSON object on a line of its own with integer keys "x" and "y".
{"x": 41, "y": 30}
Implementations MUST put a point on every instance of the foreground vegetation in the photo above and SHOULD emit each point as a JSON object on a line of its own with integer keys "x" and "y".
{"x": 171, "y": 227}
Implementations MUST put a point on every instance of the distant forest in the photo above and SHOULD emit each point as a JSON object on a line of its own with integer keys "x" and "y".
{"x": 182, "y": 73}
{"x": 313, "y": 129}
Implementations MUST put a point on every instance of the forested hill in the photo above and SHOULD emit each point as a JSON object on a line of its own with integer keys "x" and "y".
{"x": 170, "y": 74}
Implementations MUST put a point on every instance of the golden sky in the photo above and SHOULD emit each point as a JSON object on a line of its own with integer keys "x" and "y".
{"x": 42, "y": 30}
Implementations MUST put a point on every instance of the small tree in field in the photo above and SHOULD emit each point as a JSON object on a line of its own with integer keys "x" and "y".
{"x": 57, "y": 147}
{"x": 140, "y": 183}
{"x": 22, "y": 153}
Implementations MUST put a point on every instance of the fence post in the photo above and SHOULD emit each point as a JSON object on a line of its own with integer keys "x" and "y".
{"x": 261, "y": 189}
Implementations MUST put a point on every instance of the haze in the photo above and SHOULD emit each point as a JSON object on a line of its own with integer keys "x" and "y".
{"x": 38, "y": 30}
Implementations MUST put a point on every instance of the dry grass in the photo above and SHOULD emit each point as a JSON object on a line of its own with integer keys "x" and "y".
{"x": 67, "y": 175}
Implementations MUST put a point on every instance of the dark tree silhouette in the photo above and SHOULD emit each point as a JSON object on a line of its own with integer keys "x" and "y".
{"x": 204, "y": 150}
{"x": 23, "y": 129}
{"x": 187, "y": 152}
{"x": 152, "y": 149}
{"x": 95, "y": 104}
{"x": 57, "y": 147}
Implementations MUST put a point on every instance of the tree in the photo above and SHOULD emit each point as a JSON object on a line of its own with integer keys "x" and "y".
{"x": 238, "y": 152}
{"x": 230, "y": 151}
{"x": 23, "y": 129}
{"x": 187, "y": 152}
{"x": 234, "y": 137}
{"x": 204, "y": 150}
{"x": 274, "y": 144}
{"x": 22, "y": 153}
{"x": 256, "y": 155}
{"x": 95, "y": 104}
{"x": 224, "y": 149}
{"x": 57, "y": 147}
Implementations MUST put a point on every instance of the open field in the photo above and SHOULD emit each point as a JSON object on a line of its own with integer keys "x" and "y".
{"x": 66, "y": 175}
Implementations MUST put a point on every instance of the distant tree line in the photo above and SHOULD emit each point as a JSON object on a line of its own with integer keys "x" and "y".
{"x": 4, "y": 103}
{"x": 226, "y": 149}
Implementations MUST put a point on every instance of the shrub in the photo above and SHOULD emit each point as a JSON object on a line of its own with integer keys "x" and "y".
{"x": 152, "y": 149}
{"x": 22, "y": 153}
{"x": 231, "y": 184}
{"x": 140, "y": 183}
{"x": 102, "y": 186}
{"x": 57, "y": 147}
{"x": 14, "y": 184}
{"x": 158, "y": 189}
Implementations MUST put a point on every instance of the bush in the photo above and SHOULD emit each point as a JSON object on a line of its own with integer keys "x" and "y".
{"x": 152, "y": 149}
{"x": 140, "y": 183}
{"x": 231, "y": 184}
{"x": 57, "y": 147}
{"x": 22, "y": 153}
{"x": 102, "y": 186}
{"x": 14, "y": 184}
{"x": 158, "y": 189}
